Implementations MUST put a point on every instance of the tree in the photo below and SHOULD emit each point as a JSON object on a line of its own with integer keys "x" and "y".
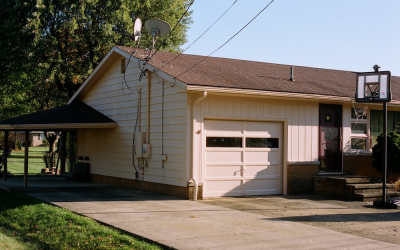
{"x": 3, "y": 149}
{"x": 393, "y": 153}
{"x": 52, "y": 138}
{"x": 48, "y": 48}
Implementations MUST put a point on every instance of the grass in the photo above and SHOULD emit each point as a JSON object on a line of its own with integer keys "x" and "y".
{"x": 35, "y": 162}
{"x": 26, "y": 223}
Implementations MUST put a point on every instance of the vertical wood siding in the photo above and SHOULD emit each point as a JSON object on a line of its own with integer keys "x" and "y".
{"x": 110, "y": 150}
{"x": 302, "y": 119}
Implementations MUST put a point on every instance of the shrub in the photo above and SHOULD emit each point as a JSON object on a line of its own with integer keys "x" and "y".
{"x": 393, "y": 153}
{"x": 19, "y": 145}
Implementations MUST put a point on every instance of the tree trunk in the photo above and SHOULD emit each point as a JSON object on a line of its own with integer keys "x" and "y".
{"x": 51, "y": 138}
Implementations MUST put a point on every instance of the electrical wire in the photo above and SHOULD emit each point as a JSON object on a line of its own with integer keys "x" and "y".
{"x": 165, "y": 39}
{"x": 200, "y": 35}
{"x": 228, "y": 39}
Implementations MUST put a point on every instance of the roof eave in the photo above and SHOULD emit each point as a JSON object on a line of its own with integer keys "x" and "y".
{"x": 237, "y": 91}
{"x": 57, "y": 126}
{"x": 107, "y": 61}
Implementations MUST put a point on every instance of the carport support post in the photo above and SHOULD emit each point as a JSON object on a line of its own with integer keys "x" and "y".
{"x": 63, "y": 151}
{"x": 26, "y": 158}
{"x": 5, "y": 151}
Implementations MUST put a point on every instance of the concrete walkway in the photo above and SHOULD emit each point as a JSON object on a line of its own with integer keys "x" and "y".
{"x": 186, "y": 224}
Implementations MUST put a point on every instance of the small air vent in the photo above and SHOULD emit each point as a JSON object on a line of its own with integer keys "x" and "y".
{"x": 123, "y": 66}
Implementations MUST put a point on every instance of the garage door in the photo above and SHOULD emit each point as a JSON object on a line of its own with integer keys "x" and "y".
{"x": 242, "y": 158}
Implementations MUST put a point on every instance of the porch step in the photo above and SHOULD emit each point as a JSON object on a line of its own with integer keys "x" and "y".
{"x": 359, "y": 180}
{"x": 368, "y": 187}
{"x": 374, "y": 196}
{"x": 351, "y": 187}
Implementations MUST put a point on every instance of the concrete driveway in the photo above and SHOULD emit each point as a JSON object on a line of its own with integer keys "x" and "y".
{"x": 224, "y": 223}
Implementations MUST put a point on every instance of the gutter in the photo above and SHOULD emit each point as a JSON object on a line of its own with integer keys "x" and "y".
{"x": 236, "y": 91}
{"x": 194, "y": 176}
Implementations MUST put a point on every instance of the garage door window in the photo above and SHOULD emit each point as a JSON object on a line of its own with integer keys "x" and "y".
{"x": 262, "y": 142}
{"x": 224, "y": 142}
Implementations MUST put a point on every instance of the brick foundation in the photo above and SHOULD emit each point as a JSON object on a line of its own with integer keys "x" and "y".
{"x": 300, "y": 178}
{"x": 182, "y": 192}
{"x": 360, "y": 166}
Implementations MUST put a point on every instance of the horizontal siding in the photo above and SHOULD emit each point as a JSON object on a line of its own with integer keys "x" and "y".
{"x": 110, "y": 150}
{"x": 301, "y": 116}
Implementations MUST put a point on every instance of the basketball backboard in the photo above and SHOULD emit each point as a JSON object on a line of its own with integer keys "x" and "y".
{"x": 373, "y": 87}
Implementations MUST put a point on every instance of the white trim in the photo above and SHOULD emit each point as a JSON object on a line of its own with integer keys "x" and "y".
{"x": 237, "y": 91}
{"x": 58, "y": 126}
{"x": 100, "y": 69}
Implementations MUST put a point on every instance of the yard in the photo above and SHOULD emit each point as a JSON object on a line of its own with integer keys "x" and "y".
{"x": 35, "y": 162}
{"x": 27, "y": 223}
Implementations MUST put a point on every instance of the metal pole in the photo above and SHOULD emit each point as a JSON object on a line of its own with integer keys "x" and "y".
{"x": 5, "y": 155}
{"x": 26, "y": 158}
{"x": 384, "y": 151}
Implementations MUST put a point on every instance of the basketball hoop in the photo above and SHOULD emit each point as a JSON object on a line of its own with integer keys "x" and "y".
{"x": 359, "y": 111}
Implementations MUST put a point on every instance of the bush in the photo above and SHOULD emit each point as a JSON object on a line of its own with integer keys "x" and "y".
{"x": 19, "y": 145}
{"x": 393, "y": 153}
{"x": 45, "y": 142}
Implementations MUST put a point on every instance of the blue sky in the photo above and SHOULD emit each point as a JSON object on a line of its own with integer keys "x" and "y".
{"x": 350, "y": 35}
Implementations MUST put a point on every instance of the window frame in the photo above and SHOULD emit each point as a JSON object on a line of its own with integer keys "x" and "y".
{"x": 365, "y": 136}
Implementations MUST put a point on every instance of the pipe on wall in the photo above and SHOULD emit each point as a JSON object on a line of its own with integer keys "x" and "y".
{"x": 194, "y": 176}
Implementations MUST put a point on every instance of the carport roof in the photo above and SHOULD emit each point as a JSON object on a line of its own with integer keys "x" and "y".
{"x": 71, "y": 116}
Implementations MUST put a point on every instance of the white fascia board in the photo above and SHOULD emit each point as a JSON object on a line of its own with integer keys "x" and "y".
{"x": 264, "y": 93}
{"x": 91, "y": 80}
{"x": 98, "y": 72}
{"x": 58, "y": 126}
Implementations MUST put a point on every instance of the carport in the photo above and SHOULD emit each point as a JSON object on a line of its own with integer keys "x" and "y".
{"x": 69, "y": 117}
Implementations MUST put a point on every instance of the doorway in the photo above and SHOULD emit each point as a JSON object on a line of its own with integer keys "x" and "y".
{"x": 330, "y": 138}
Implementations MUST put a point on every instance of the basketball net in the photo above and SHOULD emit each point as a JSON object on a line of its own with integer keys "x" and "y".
{"x": 359, "y": 111}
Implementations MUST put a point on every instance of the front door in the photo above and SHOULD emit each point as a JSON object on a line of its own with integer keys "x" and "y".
{"x": 330, "y": 138}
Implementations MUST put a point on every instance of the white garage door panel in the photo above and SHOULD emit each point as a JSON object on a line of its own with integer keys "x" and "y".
{"x": 236, "y": 170}
{"x": 224, "y": 127}
{"x": 262, "y": 171}
{"x": 262, "y": 156}
{"x": 261, "y": 187}
{"x": 223, "y": 188}
{"x": 223, "y": 171}
{"x": 259, "y": 128}
{"x": 220, "y": 156}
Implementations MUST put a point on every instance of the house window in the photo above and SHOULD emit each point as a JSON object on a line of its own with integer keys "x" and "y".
{"x": 359, "y": 132}
{"x": 376, "y": 123}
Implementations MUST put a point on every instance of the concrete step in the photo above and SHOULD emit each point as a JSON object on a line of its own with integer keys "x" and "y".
{"x": 373, "y": 196}
{"x": 367, "y": 187}
{"x": 362, "y": 180}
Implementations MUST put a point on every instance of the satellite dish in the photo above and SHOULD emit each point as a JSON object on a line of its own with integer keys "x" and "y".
{"x": 137, "y": 29}
{"x": 157, "y": 28}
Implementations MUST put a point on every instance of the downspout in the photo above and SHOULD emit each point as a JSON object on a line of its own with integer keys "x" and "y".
{"x": 194, "y": 177}
{"x": 148, "y": 107}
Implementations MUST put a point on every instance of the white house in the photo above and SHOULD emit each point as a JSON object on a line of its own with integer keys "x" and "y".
{"x": 186, "y": 125}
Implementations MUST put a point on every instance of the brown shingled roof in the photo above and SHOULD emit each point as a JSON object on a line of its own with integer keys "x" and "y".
{"x": 241, "y": 74}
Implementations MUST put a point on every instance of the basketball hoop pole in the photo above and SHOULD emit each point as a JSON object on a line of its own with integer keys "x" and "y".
{"x": 384, "y": 152}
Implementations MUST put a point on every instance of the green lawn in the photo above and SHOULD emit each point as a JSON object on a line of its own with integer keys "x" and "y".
{"x": 26, "y": 223}
{"x": 35, "y": 163}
